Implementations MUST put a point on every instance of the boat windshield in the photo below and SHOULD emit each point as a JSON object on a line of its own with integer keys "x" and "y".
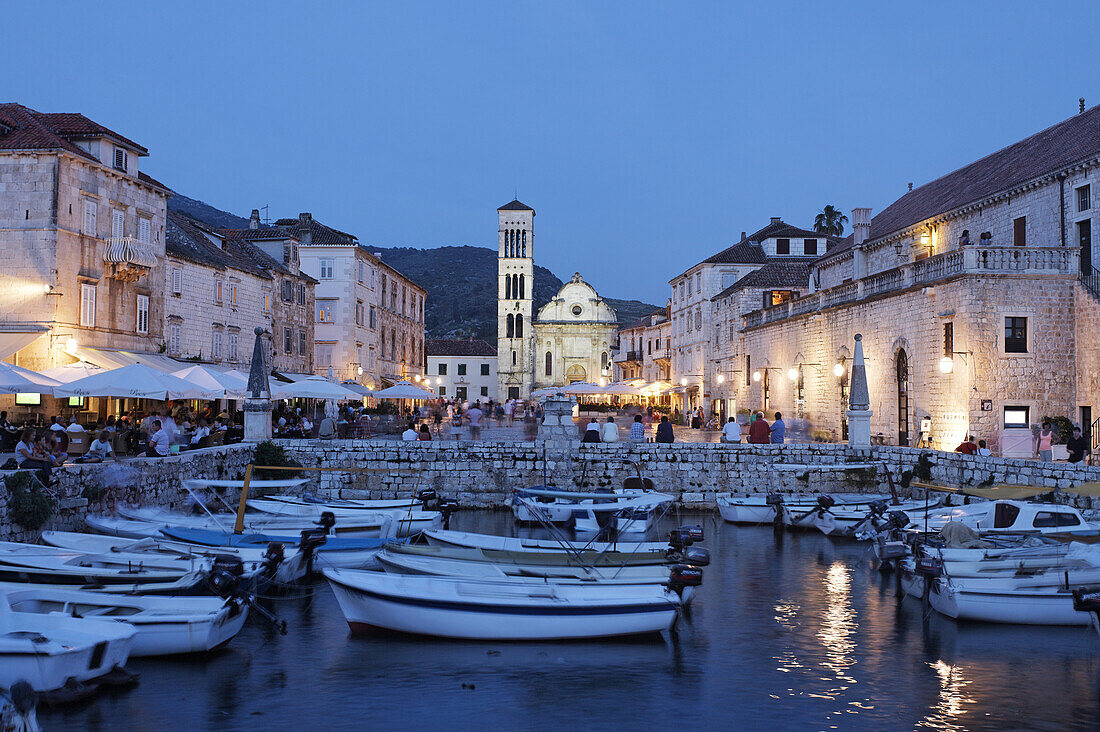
{"x": 1005, "y": 515}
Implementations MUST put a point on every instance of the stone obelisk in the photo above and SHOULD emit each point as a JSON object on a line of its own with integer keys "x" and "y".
{"x": 257, "y": 405}
{"x": 859, "y": 401}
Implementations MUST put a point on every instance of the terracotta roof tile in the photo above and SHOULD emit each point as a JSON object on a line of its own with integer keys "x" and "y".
{"x": 451, "y": 347}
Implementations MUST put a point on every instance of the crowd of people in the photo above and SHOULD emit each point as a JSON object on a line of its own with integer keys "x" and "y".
{"x": 451, "y": 418}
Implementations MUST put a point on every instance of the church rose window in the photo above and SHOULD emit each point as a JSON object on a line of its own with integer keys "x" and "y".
{"x": 577, "y": 310}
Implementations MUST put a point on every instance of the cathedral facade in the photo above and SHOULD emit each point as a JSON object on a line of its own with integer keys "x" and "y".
{"x": 573, "y": 334}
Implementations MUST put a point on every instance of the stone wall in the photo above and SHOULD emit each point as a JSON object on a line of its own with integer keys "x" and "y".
{"x": 156, "y": 482}
{"x": 483, "y": 474}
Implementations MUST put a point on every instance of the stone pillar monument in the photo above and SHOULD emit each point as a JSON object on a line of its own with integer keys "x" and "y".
{"x": 859, "y": 401}
{"x": 257, "y": 406}
{"x": 557, "y": 433}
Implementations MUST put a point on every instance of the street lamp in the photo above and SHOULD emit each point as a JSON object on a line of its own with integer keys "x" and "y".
{"x": 756, "y": 376}
{"x": 947, "y": 365}
{"x": 792, "y": 373}
{"x": 720, "y": 378}
{"x": 838, "y": 370}
{"x": 359, "y": 370}
{"x": 684, "y": 381}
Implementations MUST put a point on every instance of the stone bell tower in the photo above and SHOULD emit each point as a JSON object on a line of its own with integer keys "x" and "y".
{"x": 515, "y": 299}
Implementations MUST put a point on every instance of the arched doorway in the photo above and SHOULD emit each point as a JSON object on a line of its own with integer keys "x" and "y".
{"x": 903, "y": 398}
{"x": 575, "y": 373}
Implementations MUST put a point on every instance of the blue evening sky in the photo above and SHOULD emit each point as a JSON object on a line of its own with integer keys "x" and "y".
{"x": 646, "y": 135}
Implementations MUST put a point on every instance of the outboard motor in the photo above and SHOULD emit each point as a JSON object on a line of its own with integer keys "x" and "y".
{"x": 426, "y": 495}
{"x": 878, "y": 507}
{"x": 446, "y": 507}
{"x": 311, "y": 540}
{"x": 929, "y": 566}
{"x": 1087, "y": 600}
{"x": 696, "y": 556}
{"x": 773, "y": 499}
{"x": 681, "y": 576}
{"x": 695, "y": 531}
{"x": 897, "y": 520}
{"x": 273, "y": 557}
{"x": 826, "y": 502}
{"x": 327, "y": 521}
{"x": 678, "y": 539}
{"x": 225, "y": 575}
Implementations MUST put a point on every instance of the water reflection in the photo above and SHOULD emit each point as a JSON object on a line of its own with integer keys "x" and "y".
{"x": 952, "y": 700}
{"x": 839, "y": 625}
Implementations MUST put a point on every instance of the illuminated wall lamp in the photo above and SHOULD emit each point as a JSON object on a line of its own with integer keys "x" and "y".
{"x": 720, "y": 378}
{"x": 838, "y": 370}
{"x": 756, "y": 376}
{"x": 947, "y": 363}
{"x": 792, "y": 373}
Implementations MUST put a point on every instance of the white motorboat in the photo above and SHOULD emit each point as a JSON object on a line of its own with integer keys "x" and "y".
{"x": 356, "y": 504}
{"x": 449, "y": 537}
{"x": 47, "y": 651}
{"x": 563, "y": 557}
{"x": 626, "y": 511}
{"x": 759, "y": 508}
{"x": 471, "y": 609}
{"x": 164, "y": 625}
{"x": 409, "y": 520}
{"x": 456, "y": 567}
{"x": 851, "y": 520}
{"x": 151, "y": 520}
{"x": 40, "y": 564}
{"x": 1007, "y": 516}
{"x": 990, "y": 602}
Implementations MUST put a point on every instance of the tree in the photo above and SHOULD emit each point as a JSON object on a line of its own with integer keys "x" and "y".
{"x": 830, "y": 222}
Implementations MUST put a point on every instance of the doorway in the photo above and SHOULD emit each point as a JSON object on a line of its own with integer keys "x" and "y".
{"x": 903, "y": 398}
{"x": 1084, "y": 238}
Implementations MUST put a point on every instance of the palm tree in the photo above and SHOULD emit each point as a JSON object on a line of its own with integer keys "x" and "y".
{"x": 830, "y": 222}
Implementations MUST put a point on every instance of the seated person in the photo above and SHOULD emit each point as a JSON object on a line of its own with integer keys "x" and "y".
{"x": 967, "y": 447}
{"x": 409, "y": 434}
{"x": 29, "y": 457}
{"x": 159, "y": 442}
{"x": 425, "y": 435}
{"x": 99, "y": 450}
{"x": 202, "y": 431}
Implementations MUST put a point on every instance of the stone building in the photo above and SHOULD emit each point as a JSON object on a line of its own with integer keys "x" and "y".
{"x": 291, "y": 301}
{"x": 574, "y": 333}
{"x": 401, "y": 325}
{"x": 216, "y": 295}
{"x": 82, "y": 229}
{"x": 976, "y": 298}
{"x": 466, "y": 369}
{"x": 645, "y": 348}
{"x": 697, "y": 331}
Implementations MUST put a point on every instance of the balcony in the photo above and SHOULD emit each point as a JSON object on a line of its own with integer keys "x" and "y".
{"x": 128, "y": 259}
{"x": 970, "y": 260}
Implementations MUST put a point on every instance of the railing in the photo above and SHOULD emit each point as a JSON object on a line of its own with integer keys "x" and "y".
{"x": 128, "y": 258}
{"x": 969, "y": 260}
{"x": 1090, "y": 278}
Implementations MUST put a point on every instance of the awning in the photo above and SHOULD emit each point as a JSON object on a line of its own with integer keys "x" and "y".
{"x": 110, "y": 358}
{"x": 13, "y": 338}
{"x": 992, "y": 493}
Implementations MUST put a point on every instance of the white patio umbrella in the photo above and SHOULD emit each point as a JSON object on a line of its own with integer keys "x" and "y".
{"x": 73, "y": 371}
{"x": 583, "y": 388}
{"x": 404, "y": 390}
{"x": 315, "y": 387}
{"x": 135, "y": 381}
{"x": 229, "y": 383}
{"x": 17, "y": 380}
{"x": 545, "y": 391}
{"x": 621, "y": 389}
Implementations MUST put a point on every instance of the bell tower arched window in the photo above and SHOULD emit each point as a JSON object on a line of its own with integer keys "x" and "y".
{"x": 514, "y": 360}
{"x": 522, "y": 296}
{"x": 511, "y": 326}
{"x": 507, "y": 287}
{"x": 519, "y": 326}
{"x": 523, "y": 239}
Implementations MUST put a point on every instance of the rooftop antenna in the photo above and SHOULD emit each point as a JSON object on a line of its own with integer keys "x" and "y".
{"x": 267, "y": 217}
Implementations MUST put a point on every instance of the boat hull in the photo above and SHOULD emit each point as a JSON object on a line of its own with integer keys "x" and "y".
{"x": 1018, "y": 607}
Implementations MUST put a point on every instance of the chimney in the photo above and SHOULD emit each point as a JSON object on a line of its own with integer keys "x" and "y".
{"x": 776, "y": 219}
{"x": 743, "y": 235}
{"x": 304, "y": 221}
{"x": 1080, "y": 105}
{"x": 254, "y": 219}
{"x": 910, "y": 186}
{"x": 861, "y": 225}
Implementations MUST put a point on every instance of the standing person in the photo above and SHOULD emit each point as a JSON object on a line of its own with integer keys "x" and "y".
{"x": 610, "y": 431}
{"x": 664, "y": 432}
{"x": 731, "y": 432}
{"x": 158, "y": 441}
{"x": 759, "y": 431}
{"x": 779, "y": 430}
{"x": 1077, "y": 446}
{"x": 637, "y": 429}
{"x": 1046, "y": 439}
{"x": 456, "y": 425}
{"x": 592, "y": 431}
{"x": 697, "y": 418}
{"x": 474, "y": 414}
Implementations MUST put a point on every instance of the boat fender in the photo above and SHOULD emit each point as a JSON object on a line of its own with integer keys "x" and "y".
{"x": 327, "y": 520}
{"x": 23, "y": 698}
{"x": 697, "y": 556}
{"x": 695, "y": 531}
{"x": 826, "y": 501}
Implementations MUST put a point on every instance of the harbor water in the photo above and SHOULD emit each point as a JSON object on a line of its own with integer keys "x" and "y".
{"x": 788, "y": 631}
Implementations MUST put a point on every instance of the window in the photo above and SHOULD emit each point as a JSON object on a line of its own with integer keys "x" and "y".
{"x": 484, "y": 391}
{"x": 460, "y": 392}
{"x": 118, "y": 223}
{"x": 177, "y": 281}
{"x": 1084, "y": 202}
{"x": 326, "y": 269}
{"x": 372, "y": 320}
{"x": 442, "y": 369}
{"x": 324, "y": 354}
{"x": 948, "y": 339}
{"x": 1019, "y": 231}
{"x": 234, "y": 343}
{"x": 484, "y": 369}
{"x": 782, "y": 246}
{"x": 121, "y": 158}
{"x": 778, "y": 297}
{"x": 1017, "y": 417}
{"x": 324, "y": 311}
{"x": 393, "y": 344}
{"x": 689, "y": 287}
{"x": 89, "y": 217}
{"x": 519, "y": 326}
{"x": 809, "y": 246}
{"x": 142, "y": 313}
{"x": 217, "y": 291}
{"x": 358, "y": 312}
{"x": 1015, "y": 335}
{"x": 287, "y": 290}
{"x": 302, "y": 342}
{"x": 510, "y": 327}
{"x": 216, "y": 348}
{"x": 288, "y": 341}
{"x": 267, "y": 302}
{"x": 362, "y": 270}
{"x": 174, "y": 338}
{"x": 301, "y": 293}
{"x": 87, "y": 305}
{"x": 698, "y": 320}
{"x": 443, "y": 391}
{"x": 549, "y": 364}
{"x": 514, "y": 358}
{"x": 462, "y": 369}
{"x": 233, "y": 293}
{"x": 145, "y": 230}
